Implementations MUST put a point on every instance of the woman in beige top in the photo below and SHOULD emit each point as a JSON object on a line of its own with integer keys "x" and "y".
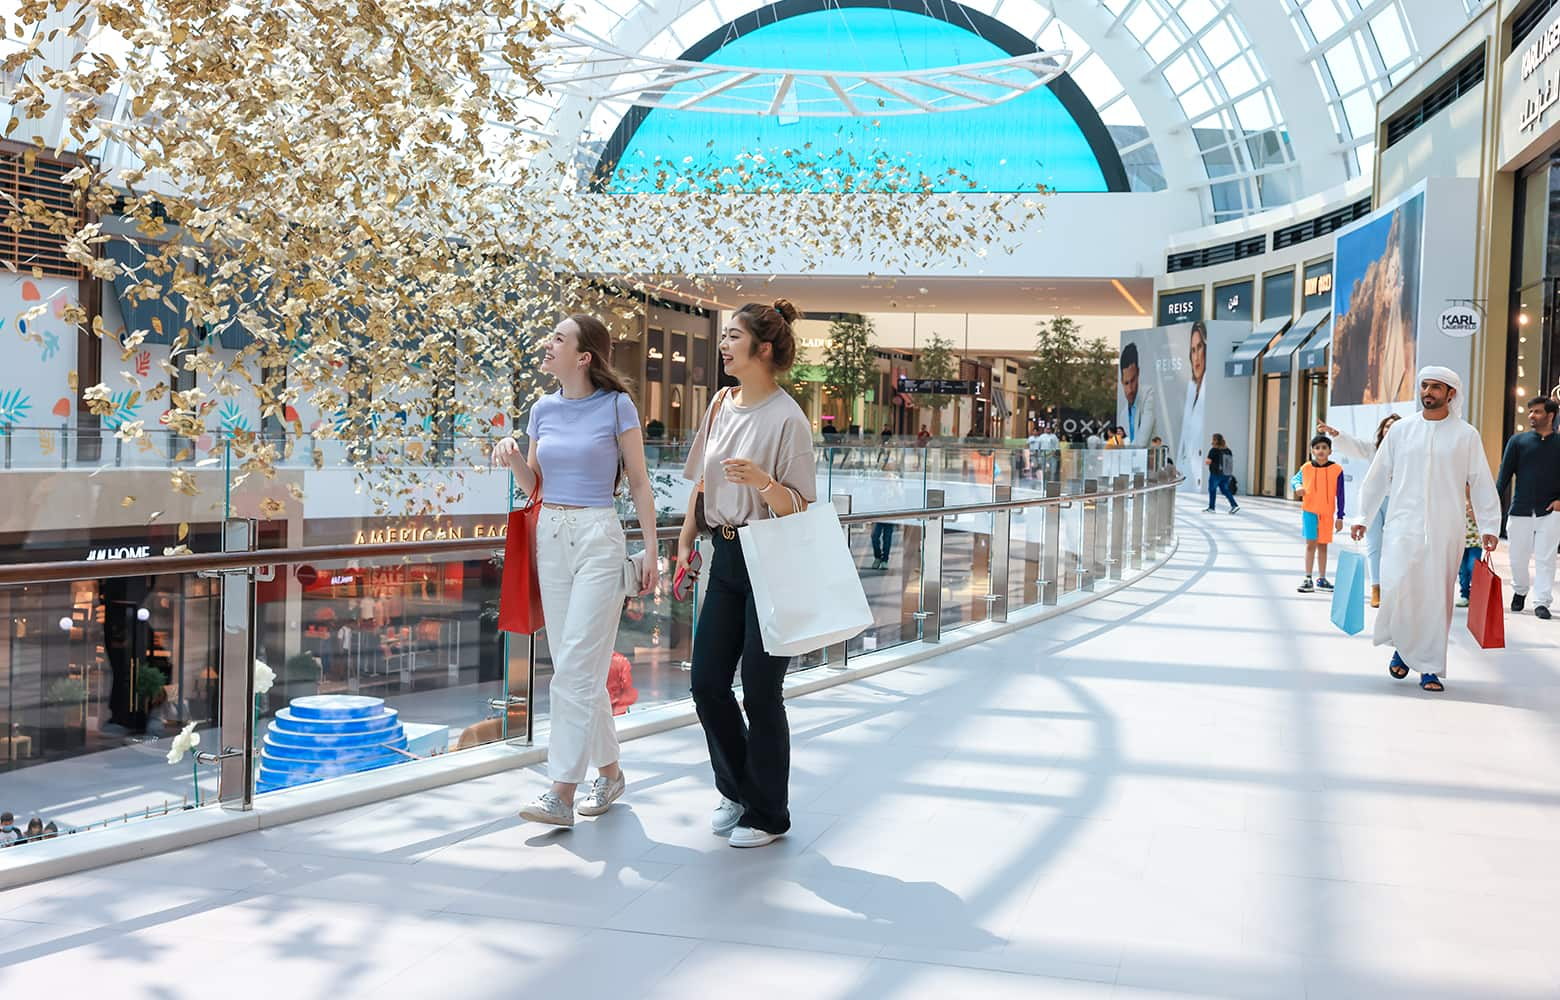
{"x": 753, "y": 458}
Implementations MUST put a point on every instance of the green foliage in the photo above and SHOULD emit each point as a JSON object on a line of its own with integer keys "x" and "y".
{"x": 149, "y": 686}
{"x": 301, "y": 667}
{"x": 66, "y": 691}
{"x": 1070, "y": 372}
{"x": 936, "y": 360}
{"x": 800, "y": 389}
{"x": 849, "y": 369}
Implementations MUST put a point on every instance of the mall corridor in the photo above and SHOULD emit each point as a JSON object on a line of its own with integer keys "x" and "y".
{"x": 1194, "y": 787}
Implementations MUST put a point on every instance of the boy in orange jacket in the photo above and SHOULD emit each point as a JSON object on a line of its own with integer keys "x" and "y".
{"x": 1319, "y": 488}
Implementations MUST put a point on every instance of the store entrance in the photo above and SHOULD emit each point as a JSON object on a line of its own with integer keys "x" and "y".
{"x": 1313, "y": 410}
{"x": 1273, "y": 436}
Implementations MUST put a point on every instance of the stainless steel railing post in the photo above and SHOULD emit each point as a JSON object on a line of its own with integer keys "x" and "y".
{"x": 236, "y": 788}
{"x": 837, "y": 656}
{"x": 1086, "y": 538}
{"x": 931, "y": 571}
{"x": 1001, "y": 546}
{"x": 1051, "y": 546}
{"x": 1138, "y": 500}
{"x": 1118, "y": 527}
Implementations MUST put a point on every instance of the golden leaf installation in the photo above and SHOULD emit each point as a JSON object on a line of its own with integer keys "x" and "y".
{"x": 375, "y": 205}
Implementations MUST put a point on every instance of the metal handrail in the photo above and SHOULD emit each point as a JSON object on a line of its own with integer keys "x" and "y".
{"x": 88, "y": 569}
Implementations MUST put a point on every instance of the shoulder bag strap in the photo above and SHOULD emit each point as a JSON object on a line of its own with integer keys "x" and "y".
{"x": 709, "y": 426}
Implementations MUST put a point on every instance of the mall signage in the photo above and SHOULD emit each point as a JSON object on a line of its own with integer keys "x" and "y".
{"x": 939, "y": 386}
{"x": 1459, "y": 321}
{"x": 1181, "y": 307}
{"x": 119, "y": 552}
{"x": 1530, "y": 89}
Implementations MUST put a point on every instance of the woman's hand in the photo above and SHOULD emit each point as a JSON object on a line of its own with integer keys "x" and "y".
{"x": 745, "y": 473}
{"x": 685, "y": 548}
{"x": 506, "y": 451}
{"x": 1327, "y": 429}
{"x": 650, "y": 572}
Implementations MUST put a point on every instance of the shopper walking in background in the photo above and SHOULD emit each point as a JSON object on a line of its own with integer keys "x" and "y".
{"x": 752, "y": 458}
{"x": 1221, "y": 473}
{"x": 1350, "y": 447}
{"x": 1319, "y": 488}
{"x": 1533, "y": 519}
{"x": 1431, "y": 464}
{"x": 1473, "y": 551}
{"x": 584, "y": 439}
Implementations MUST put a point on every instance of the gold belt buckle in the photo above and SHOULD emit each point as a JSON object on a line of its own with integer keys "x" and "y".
{"x": 728, "y": 532}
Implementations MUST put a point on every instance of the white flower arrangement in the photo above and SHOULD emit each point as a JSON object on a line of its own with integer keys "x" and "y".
{"x": 187, "y": 740}
{"x": 264, "y": 677}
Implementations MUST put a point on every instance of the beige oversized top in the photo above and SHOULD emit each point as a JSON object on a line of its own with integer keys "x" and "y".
{"x": 774, "y": 435}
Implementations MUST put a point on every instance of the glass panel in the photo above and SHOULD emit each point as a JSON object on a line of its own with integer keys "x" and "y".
{"x": 966, "y": 570}
{"x": 412, "y": 647}
{"x": 888, "y": 554}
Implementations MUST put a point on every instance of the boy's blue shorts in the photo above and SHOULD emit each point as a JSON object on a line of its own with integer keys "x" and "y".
{"x": 1310, "y": 525}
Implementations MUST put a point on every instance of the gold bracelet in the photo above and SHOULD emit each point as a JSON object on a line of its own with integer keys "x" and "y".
{"x": 770, "y": 486}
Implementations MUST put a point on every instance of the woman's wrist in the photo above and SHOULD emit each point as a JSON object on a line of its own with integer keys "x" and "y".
{"x": 767, "y": 486}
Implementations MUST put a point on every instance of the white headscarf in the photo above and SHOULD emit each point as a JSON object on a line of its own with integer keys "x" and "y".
{"x": 1437, "y": 373}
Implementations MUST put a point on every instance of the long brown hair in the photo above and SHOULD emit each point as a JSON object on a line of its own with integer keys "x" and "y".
{"x": 1386, "y": 425}
{"x": 594, "y": 339}
{"x": 1218, "y": 441}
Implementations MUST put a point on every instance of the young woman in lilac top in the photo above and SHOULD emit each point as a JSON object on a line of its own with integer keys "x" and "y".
{"x": 579, "y": 436}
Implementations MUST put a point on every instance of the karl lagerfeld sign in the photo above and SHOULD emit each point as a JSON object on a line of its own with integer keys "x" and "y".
{"x": 1530, "y": 89}
{"x": 1459, "y": 321}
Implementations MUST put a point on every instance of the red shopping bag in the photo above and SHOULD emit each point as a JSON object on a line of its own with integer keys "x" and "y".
{"x": 1486, "y": 608}
{"x": 519, "y": 593}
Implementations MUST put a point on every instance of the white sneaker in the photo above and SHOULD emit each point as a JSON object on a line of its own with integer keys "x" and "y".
{"x": 1462, "y": 602}
{"x": 726, "y": 816}
{"x": 601, "y": 794}
{"x": 550, "y": 809}
{"x": 747, "y": 836}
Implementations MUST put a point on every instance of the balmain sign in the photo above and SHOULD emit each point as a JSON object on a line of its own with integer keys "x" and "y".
{"x": 1530, "y": 89}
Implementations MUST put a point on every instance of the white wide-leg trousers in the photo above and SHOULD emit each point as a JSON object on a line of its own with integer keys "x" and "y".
{"x": 579, "y": 561}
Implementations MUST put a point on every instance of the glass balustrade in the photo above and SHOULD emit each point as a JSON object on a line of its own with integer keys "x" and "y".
{"x": 375, "y": 659}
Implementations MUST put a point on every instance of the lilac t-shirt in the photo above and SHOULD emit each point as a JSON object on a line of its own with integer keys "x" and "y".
{"x": 577, "y": 447}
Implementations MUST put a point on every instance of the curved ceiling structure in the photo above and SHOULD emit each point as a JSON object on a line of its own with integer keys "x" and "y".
{"x": 1244, "y": 104}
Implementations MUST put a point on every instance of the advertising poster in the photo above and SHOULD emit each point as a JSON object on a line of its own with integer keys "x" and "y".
{"x": 1387, "y": 297}
{"x": 1167, "y": 388}
{"x": 1376, "y": 307}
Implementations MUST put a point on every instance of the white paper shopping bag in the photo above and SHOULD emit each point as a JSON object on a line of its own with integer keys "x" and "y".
{"x": 805, "y": 586}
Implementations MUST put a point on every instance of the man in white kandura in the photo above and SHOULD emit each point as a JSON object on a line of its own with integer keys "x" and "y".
{"x": 1429, "y": 464}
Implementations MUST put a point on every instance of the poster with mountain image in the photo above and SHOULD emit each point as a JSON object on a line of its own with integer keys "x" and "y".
{"x": 1376, "y": 307}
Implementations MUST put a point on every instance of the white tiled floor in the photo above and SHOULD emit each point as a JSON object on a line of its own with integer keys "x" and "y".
{"x": 1196, "y": 788}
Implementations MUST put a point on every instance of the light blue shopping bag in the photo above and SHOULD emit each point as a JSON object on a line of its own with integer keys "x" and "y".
{"x": 1348, "y": 600}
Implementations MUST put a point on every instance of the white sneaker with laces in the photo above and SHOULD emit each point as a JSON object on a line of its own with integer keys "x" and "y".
{"x": 600, "y": 795}
{"x": 726, "y": 816}
{"x": 747, "y": 836}
{"x": 550, "y": 809}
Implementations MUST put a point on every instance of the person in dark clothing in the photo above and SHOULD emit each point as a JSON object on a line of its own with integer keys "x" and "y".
{"x": 882, "y": 543}
{"x": 1532, "y": 523}
{"x": 1221, "y": 474}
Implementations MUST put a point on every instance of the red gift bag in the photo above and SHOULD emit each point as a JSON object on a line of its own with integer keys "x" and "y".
{"x": 519, "y": 593}
{"x": 1486, "y": 608}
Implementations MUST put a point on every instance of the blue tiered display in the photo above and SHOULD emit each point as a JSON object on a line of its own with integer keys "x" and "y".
{"x": 322, "y": 736}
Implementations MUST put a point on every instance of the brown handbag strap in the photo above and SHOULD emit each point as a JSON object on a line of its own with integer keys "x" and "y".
{"x": 709, "y": 424}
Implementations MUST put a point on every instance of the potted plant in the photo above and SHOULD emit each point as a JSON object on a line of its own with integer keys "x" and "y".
{"x": 300, "y": 676}
{"x": 65, "y": 715}
{"x": 150, "y": 693}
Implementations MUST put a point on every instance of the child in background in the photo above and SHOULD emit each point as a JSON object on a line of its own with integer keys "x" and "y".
{"x": 1319, "y": 488}
{"x": 1473, "y": 551}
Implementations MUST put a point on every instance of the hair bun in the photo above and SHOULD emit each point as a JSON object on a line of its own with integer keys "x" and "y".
{"x": 786, "y": 309}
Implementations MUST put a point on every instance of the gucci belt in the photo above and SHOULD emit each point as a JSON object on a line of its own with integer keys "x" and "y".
{"x": 727, "y": 532}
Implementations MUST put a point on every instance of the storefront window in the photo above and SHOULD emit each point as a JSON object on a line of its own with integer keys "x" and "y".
{"x": 1316, "y": 293}
{"x": 1278, "y": 294}
{"x": 1234, "y": 301}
